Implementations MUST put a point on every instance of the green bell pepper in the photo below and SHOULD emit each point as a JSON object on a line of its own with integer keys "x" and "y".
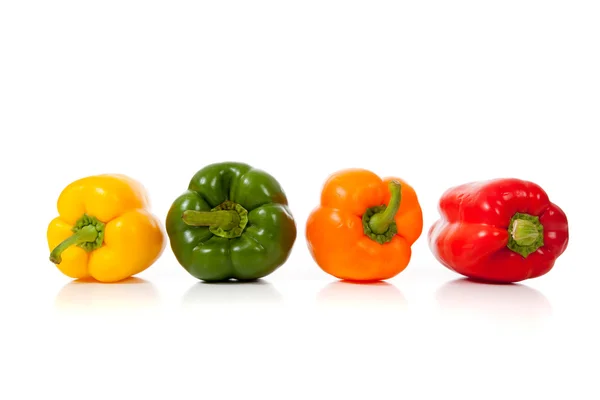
{"x": 233, "y": 222}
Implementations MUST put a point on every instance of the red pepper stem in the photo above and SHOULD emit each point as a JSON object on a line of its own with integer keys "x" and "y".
{"x": 380, "y": 222}
{"x": 224, "y": 219}
{"x": 87, "y": 234}
{"x": 524, "y": 232}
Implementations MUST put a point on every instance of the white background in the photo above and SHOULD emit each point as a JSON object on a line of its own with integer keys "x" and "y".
{"x": 436, "y": 92}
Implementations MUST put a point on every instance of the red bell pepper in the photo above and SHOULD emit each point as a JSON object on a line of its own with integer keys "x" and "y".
{"x": 501, "y": 230}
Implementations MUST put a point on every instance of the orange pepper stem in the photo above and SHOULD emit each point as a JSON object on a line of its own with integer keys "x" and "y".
{"x": 380, "y": 222}
{"x": 87, "y": 234}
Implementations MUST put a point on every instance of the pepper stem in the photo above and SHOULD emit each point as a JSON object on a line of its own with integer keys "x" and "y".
{"x": 87, "y": 234}
{"x": 526, "y": 234}
{"x": 380, "y": 222}
{"x": 224, "y": 219}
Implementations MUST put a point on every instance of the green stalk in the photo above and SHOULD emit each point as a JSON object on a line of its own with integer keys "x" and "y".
{"x": 380, "y": 222}
{"x": 227, "y": 220}
{"x": 525, "y": 234}
{"x": 87, "y": 234}
{"x": 224, "y": 219}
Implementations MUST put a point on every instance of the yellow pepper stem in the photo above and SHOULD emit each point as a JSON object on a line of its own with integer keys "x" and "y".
{"x": 87, "y": 234}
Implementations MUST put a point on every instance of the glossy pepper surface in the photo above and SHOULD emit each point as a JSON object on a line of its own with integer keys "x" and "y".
{"x": 233, "y": 222}
{"x": 365, "y": 226}
{"x": 105, "y": 229}
{"x": 501, "y": 230}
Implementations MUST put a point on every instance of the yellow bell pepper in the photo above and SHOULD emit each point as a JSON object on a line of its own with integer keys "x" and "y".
{"x": 105, "y": 229}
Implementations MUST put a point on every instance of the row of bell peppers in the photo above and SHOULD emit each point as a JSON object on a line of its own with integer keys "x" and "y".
{"x": 233, "y": 222}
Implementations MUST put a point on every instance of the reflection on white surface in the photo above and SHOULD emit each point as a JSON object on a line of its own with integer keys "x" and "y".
{"x": 361, "y": 295}
{"x": 498, "y": 302}
{"x": 91, "y": 296}
{"x": 232, "y": 294}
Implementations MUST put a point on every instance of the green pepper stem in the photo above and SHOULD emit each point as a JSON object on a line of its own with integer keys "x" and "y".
{"x": 380, "y": 222}
{"x": 524, "y": 232}
{"x": 86, "y": 234}
{"x": 224, "y": 219}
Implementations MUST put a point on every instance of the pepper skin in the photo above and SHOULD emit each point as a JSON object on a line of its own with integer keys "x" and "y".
{"x": 365, "y": 226}
{"x": 501, "y": 230}
{"x": 232, "y": 223}
{"x": 104, "y": 230}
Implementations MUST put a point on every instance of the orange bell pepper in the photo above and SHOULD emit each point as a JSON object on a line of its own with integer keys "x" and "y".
{"x": 365, "y": 226}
